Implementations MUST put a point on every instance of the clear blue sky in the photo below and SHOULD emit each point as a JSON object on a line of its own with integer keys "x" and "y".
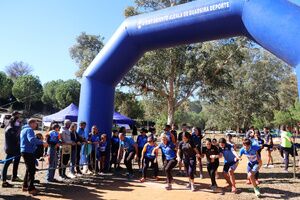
{"x": 40, "y": 32}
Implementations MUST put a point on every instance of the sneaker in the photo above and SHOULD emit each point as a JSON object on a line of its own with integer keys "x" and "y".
{"x": 168, "y": 187}
{"x": 79, "y": 174}
{"x": 285, "y": 171}
{"x": 101, "y": 174}
{"x": 193, "y": 188}
{"x": 257, "y": 182}
{"x": 257, "y": 192}
{"x": 271, "y": 166}
{"x": 60, "y": 179}
{"x": 7, "y": 185}
{"x": 188, "y": 186}
{"x": 234, "y": 190}
{"x": 25, "y": 189}
{"x": 265, "y": 166}
{"x": 33, "y": 192}
{"x": 16, "y": 179}
{"x": 142, "y": 180}
{"x": 71, "y": 176}
{"x": 201, "y": 176}
{"x": 214, "y": 188}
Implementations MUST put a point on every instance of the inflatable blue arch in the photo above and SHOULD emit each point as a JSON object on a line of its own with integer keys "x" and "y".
{"x": 273, "y": 24}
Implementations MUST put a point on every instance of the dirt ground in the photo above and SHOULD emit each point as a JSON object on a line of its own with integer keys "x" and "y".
{"x": 274, "y": 185}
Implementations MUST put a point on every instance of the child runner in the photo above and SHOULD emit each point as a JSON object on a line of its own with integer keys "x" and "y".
{"x": 251, "y": 152}
{"x": 130, "y": 147}
{"x": 189, "y": 152}
{"x": 53, "y": 150}
{"x": 212, "y": 156}
{"x": 169, "y": 150}
{"x": 114, "y": 150}
{"x": 102, "y": 150}
{"x": 141, "y": 141}
{"x": 148, "y": 157}
{"x": 180, "y": 156}
{"x": 230, "y": 162}
{"x": 257, "y": 141}
{"x": 269, "y": 147}
{"x": 197, "y": 138}
{"x": 216, "y": 144}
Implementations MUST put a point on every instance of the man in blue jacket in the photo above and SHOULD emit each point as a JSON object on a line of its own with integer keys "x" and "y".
{"x": 28, "y": 143}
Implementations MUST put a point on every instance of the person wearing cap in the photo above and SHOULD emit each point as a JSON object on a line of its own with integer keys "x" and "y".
{"x": 149, "y": 158}
{"x": 28, "y": 144}
{"x": 65, "y": 149}
{"x": 128, "y": 145}
{"x": 12, "y": 149}
{"x": 141, "y": 141}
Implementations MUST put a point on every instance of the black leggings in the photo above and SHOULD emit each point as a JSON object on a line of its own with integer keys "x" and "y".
{"x": 154, "y": 165}
{"x": 190, "y": 167}
{"x": 94, "y": 165}
{"x": 129, "y": 156}
{"x": 168, "y": 166}
{"x": 212, "y": 168}
{"x": 64, "y": 159}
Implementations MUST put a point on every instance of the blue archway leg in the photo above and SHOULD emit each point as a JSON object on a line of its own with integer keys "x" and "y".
{"x": 297, "y": 68}
{"x": 96, "y": 107}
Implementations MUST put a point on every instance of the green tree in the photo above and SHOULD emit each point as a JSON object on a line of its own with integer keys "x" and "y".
{"x": 255, "y": 87}
{"x": 27, "y": 89}
{"x": 67, "y": 92}
{"x": 6, "y": 86}
{"x": 85, "y": 50}
{"x": 49, "y": 95}
{"x": 18, "y": 69}
{"x": 127, "y": 104}
{"x": 173, "y": 74}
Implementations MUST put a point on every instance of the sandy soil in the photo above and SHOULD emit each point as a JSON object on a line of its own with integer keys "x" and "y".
{"x": 275, "y": 185}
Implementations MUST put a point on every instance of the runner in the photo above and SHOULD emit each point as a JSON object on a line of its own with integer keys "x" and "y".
{"x": 197, "y": 138}
{"x": 188, "y": 148}
{"x": 257, "y": 141}
{"x": 115, "y": 142}
{"x": 102, "y": 151}
{"x": 230, "y": 163}
{"x": 128, "y": 145}
{"x": 141, "y": 141}
{"x": 94, "y": 139}
{"x": 251, "y": 152}
{"x": 269, "y": 147}
{"x": 169, "y": 150}
{"x": 212, "y": 155}
{"x": 148, "y": 157}
{"x": 179, "y": 139}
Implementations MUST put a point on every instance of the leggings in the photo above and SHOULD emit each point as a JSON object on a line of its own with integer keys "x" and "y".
{"x": 190, "y": 167}
{"x": 168, "y": 166}
{"x": 64, "y": 159}
{"x": 212, "y": 168}
{"x": 29, "y": 160}
{"x": 154, "y": 165}
{"x": 129, "y": 156}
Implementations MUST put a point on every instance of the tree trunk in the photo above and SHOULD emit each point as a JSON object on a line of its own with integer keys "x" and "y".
{"x": 171, "y": 111}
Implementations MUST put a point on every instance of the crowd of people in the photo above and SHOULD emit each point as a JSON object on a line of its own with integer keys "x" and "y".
{"x": 72, "y": 147}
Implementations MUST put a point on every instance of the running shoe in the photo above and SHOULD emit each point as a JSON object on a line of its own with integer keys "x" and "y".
{"x": 188, "y": 186}
{"x": 201, "y": 176}
{"x": 16, "y": 179}
{"x": 168, "y": 187}
{"x": 257, "y": 192}
{"x": 271, "y": 166}
{"x": 7, "y": 185}
{"x": 265, "y": 166}
{"x": 193, "y": 189}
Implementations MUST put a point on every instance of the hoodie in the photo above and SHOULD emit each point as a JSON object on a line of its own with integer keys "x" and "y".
{"x": 28, "y": 141}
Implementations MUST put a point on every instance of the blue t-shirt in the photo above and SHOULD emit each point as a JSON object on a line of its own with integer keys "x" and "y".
{"x": 149, "y": 150}
{"x": 53, "y": 138}
{"x": 103, "y": 146}
{"x": 94, "y": 138}
{"x": 142, "y": 140}
{"x": 227, "y": 152}
{"x": 169, "y": 137}
{"x": 82, "y": 133}
{"x": 168, "y": 150}
{"x": 257, "y": 142}
{"x": 251, "y": 153}
{"x": 197, "y": 140}
{"x": 127, "y": 144}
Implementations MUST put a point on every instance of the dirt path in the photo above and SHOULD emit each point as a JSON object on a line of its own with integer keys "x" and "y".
{"x": 275, "y": 185}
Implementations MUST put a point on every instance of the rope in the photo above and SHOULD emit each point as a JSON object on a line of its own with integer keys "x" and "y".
{"x": 9, "y": 159}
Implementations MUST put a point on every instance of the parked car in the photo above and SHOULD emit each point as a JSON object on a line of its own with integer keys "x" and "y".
{"x": 231, "y": 132}
{"x": 4, "y": 118}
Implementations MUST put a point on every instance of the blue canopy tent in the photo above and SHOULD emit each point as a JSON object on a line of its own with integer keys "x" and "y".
{"x": 71, "y": 113}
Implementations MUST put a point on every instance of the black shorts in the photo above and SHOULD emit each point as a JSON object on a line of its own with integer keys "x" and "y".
{"x": 269, "y": 147}
{"x": 231, "y": 165}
